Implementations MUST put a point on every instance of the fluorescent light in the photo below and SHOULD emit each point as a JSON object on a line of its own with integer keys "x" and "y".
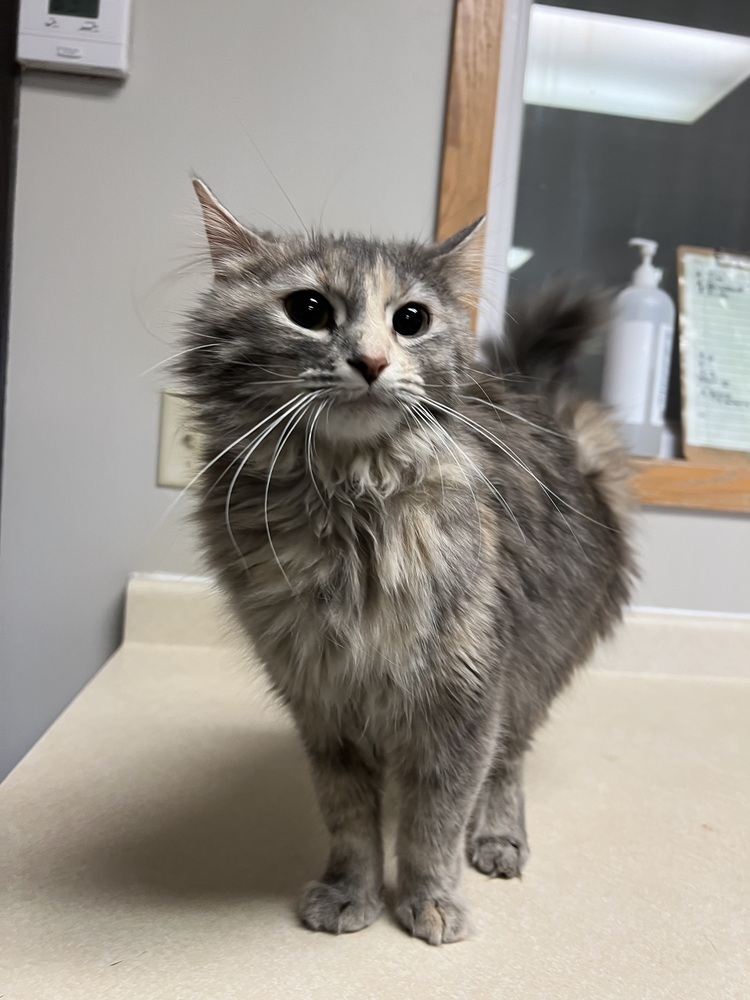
{"x": 517, "y": 257}
{"x": 625, "y": 66}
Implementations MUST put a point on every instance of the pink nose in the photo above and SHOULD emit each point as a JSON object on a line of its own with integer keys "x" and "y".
{"x": 369, "y": 367}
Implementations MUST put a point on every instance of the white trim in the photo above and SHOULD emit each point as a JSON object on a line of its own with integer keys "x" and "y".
{"x": 506, "y": 158}
{"x": 727, "y": 616}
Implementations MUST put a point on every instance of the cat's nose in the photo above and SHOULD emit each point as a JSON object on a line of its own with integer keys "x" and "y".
{"x": 369, "y": 366}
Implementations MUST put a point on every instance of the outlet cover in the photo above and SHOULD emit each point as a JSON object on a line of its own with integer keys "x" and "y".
{"x": 179, "y": 446}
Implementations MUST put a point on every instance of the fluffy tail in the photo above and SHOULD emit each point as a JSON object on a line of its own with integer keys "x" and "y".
{"x": 544, "y": 335}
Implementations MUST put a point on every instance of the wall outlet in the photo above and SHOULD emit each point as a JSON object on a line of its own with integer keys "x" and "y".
{"x": 179, "y": 446}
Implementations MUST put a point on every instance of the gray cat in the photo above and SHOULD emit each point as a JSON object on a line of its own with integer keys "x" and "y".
{"x": 421, "y": 550}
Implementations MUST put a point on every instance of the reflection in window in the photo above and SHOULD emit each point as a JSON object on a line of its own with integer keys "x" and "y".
{"x": 635, "y": 124}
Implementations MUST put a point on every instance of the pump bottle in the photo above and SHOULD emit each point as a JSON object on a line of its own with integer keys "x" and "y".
{"x": 638, "y": 353}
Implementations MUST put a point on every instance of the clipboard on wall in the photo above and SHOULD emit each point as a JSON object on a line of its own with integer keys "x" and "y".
{"x": 714, "y": 323}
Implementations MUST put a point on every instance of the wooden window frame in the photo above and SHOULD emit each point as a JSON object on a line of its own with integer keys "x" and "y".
{"x": 464, "y": 195}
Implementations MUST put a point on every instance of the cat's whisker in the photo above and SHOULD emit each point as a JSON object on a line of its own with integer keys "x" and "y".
{"x": 186, "y": 489}
{"x": 493, "y": 489}
{"x": 309, "y": 450}
{"x": 199, "y": 335}
{"x": 490, "y": 486}
{"x": 429, "y": 421}
{"x": 283, "y": 438}
{"x": 347, "y": 166}
{"x": 289, "y": 411}
{"x": 449, "y": 384}
{"x": 480, "y": 387}
{"x": 179, "y": 354}
{"x": 274, "y": 178}
{"x": 228, "y": 468}
{"x": 510, "y": 377}
{"x": 278, "y": 381}
{"x": 293, "y": 372}
{"x": 478, "y": 429}
{"x": 409, "y": 413}
{"x": 246, "y": 451}
{"x": 517, "y": 416}
{"x": 551, "y": 495}
{"x": 327, "y": 404}
{"x": 243, "y": 437}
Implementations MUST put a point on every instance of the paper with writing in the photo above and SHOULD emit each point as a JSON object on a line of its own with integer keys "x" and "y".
{"x": 715, "y": 347}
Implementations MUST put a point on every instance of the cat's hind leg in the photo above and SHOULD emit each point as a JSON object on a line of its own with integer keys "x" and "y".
{"x": 496, "y": 840}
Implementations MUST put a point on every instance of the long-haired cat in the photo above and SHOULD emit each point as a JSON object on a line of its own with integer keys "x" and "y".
{"x": 421, "y": 550}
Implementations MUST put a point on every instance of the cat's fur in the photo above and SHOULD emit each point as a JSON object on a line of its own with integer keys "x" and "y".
{"x": 420, "y": 563}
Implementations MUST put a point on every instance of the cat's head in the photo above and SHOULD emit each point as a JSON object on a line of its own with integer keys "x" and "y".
{"x": 365, "y": 327}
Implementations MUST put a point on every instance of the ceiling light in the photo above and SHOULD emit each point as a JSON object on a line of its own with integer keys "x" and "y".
{"x": 625, "y": 66}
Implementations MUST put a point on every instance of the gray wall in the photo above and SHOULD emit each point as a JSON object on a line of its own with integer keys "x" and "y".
{"x": 345, "y": 100}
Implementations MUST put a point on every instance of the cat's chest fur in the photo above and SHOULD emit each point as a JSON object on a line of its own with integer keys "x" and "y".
{"x": 344, "y": 591}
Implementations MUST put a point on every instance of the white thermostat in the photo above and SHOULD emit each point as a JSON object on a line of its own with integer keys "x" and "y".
{"x": 77, "y": 36}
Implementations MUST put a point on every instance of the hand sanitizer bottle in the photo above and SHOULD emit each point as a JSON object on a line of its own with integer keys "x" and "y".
{"x": 638, "y": 352}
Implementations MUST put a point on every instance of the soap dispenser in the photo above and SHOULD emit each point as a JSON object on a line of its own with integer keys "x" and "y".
{"x": 638, "y": 353}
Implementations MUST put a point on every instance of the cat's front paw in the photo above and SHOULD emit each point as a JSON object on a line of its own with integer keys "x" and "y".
{"x": 499, "y": 856}
{"x": 436, "y": 920}
{"x": 338, "y": 907}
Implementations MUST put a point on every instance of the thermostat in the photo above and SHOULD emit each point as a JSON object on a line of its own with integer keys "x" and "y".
{"x": 76, "y": 36}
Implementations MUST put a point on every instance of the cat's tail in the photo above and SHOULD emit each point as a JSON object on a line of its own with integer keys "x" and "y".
{"x": 544, "y": 335}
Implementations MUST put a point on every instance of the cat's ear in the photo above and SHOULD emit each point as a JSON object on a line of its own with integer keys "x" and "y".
{"x": 462, "y": 255}
{"x": 227, "y": 238}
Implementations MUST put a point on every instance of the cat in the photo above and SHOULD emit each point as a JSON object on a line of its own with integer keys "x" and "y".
{"x": 420, "y": 549}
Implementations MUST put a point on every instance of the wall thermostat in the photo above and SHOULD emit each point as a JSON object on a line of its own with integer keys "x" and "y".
{"x": 76, "y": 36}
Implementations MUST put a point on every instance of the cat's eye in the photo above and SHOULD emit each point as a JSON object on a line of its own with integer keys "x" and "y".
{"x": 411, "y": 320}
{"x": 309, "y": 309}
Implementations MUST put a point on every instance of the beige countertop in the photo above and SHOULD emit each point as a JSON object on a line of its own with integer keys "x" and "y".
{"x": 153, "y": 843}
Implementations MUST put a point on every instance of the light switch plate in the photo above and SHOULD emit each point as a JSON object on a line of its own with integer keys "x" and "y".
{"x": 179, "y": 445}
